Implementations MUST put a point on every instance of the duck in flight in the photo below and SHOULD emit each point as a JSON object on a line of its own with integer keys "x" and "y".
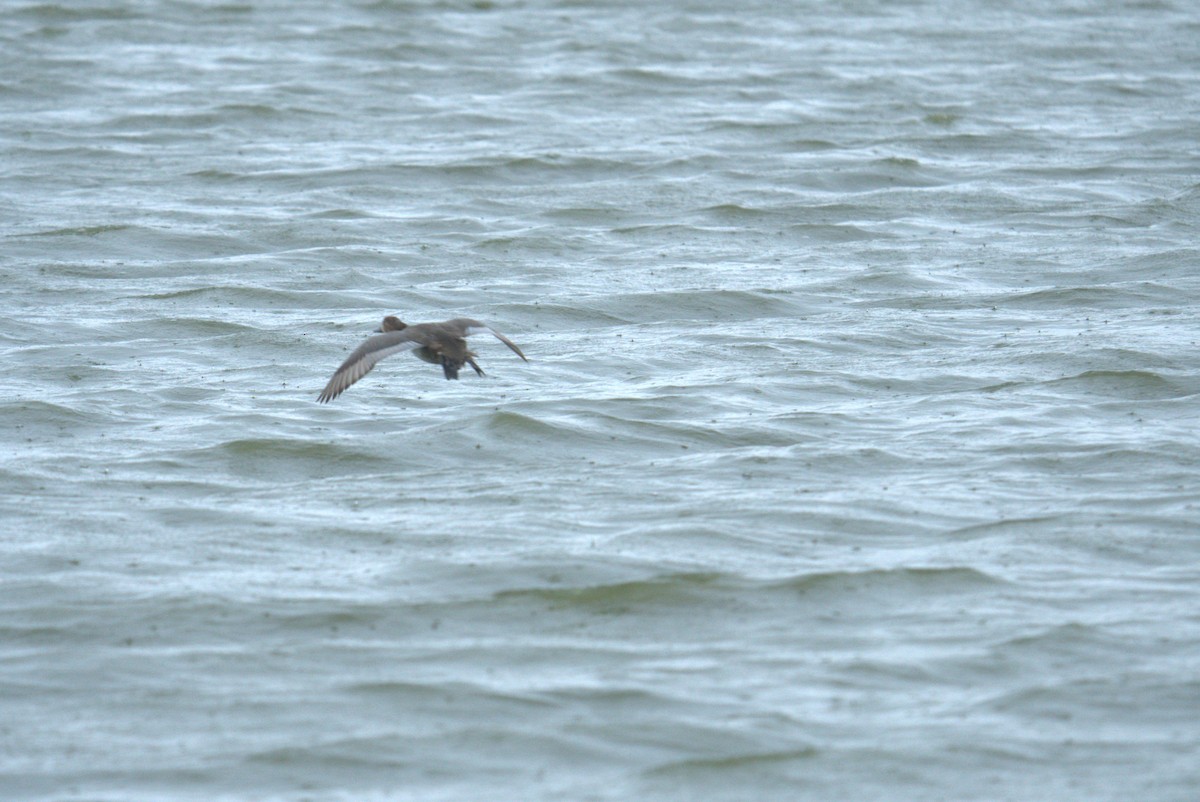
{"x": 439, "y": 343}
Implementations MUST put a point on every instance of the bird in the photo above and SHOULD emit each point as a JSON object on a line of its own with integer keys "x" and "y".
{"x": 439, "y": 343}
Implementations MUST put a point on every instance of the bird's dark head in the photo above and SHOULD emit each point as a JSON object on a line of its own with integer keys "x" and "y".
{"x": 393, "y": 323}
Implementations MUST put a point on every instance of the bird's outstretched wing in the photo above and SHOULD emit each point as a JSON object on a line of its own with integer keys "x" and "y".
{"x": 470, "y": 327}
{"x": 359, "y": 363}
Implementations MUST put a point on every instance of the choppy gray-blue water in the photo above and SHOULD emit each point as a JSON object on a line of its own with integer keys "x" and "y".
{"x": 856, "y": 457}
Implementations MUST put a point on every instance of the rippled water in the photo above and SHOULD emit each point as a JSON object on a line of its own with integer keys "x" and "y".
{"x": 856, "y": 456}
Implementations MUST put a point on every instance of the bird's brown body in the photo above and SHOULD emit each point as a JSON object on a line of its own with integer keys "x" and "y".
{"x": 441, "y": 344}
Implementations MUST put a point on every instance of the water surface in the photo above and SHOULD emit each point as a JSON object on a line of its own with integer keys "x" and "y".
{"x": 856, "y": 456}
